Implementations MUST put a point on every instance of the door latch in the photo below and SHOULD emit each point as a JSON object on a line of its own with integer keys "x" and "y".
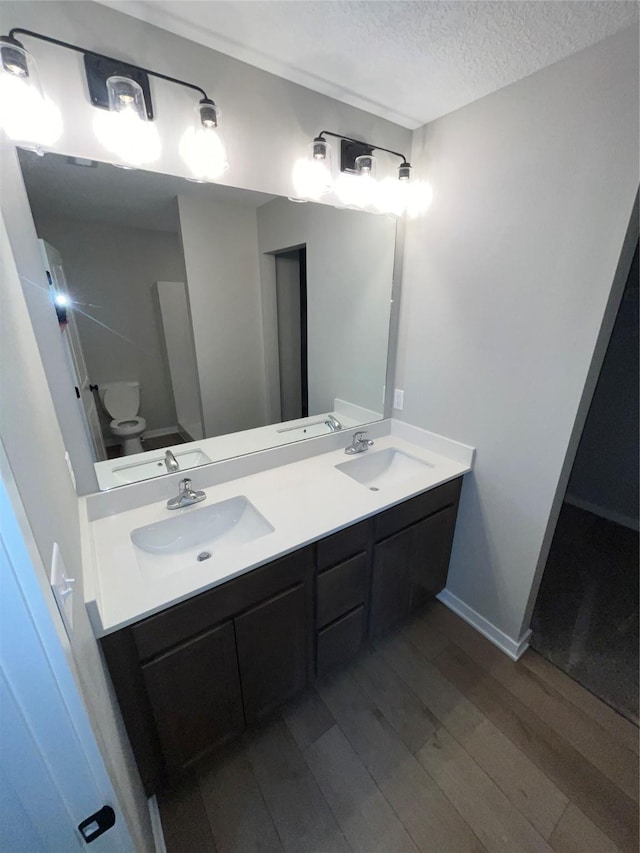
{"x": 93, "y": 826}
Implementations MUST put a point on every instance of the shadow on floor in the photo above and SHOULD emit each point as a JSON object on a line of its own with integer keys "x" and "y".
{"x": 114, "y": 451}
{"x": 586, "y": 616}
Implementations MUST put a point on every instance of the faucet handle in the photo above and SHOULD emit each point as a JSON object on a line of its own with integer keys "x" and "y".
{"x": 185, "y": 485}
{"x": 360, "y": 436}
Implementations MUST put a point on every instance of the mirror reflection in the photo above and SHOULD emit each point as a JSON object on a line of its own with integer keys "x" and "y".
{"x": 204, "y": 322}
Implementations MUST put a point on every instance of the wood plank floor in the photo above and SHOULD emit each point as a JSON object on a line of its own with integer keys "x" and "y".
{"x": 433, "y": 741}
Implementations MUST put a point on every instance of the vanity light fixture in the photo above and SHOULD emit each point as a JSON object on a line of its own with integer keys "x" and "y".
{"x": 122, "y": 93}
{"x": 356, "y": 185}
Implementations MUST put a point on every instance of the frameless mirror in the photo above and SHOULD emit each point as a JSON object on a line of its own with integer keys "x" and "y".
{"x": 209, "y": 321}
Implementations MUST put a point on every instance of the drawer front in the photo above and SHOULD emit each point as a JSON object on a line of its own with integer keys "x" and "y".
{"x": 341, "y": 589}
{"x": 398, "y": 517}
{"x": 192, "y": 617}
{"x": 334, "y": 549}
{"x": 340, "y": 642}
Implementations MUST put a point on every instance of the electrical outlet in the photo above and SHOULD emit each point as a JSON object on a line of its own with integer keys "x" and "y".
{"x": 398, "y": 399}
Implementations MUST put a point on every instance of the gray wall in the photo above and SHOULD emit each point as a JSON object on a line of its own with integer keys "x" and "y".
{"x": 111, "y": 271}
{"x": 220, "y": 244}
{"x": 605, "y": 473}
{"x": 505, "y": 287}
{"x": 256, "y": 105}
{"x": 349, "y": 274}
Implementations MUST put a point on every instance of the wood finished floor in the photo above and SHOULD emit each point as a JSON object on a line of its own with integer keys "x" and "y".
{"x": 431, "y": 741}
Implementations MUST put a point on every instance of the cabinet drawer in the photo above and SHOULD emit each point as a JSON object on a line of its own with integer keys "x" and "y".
{"x": 398, "y": 517}
{"x": 340, "y": 642}
{"x": 341, "y": 589}
{"x": 196, "y": 615}
{"x": 334, "y": 549}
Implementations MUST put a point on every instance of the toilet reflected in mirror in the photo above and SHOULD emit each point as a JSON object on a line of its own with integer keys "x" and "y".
{"x": 121, "y": 401}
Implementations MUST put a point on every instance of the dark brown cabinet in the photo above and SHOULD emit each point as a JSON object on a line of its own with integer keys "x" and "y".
{"x": 193, "y": 676}
{"x": 195, "y": 696}
{"x": 273, "y": 652}
{"x": 410, "y": 566}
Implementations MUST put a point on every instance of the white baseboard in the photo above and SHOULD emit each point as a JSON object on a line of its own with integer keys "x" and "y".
{"x": 513, "y": 648}
{"x": 603, "y": 512}
{"x": 156, "y": 433}
{"x": 156, "y": 825}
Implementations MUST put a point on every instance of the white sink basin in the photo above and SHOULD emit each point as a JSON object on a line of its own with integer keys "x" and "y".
{"x": 195, "y": 535}
{"x": 155, "y": 467}
{"x": 383, "y": 468}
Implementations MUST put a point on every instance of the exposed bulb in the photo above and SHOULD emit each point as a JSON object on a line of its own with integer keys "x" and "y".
{"x": 391, "y": 196}
{"x": 355, "y": 190}
{"x": 204, "y": 153}
{"x": 124, "y": 129}
{"x": 311, "y": 178}
{"x": 320, "y": 149}
{"x": 26, "y": 115}
{"x": 125, "y": 135}
{"x": 419, "y": 198}
{"x": 365, "y": 164}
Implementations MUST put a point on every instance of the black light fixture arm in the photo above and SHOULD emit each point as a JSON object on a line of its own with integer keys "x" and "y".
{"x": 363, "y": 144}
{"x": 93, "y": 53}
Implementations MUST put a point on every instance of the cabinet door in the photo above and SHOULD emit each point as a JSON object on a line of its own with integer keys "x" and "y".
{"x": 195, "y": 696}
{"x": 431, "y": 551}
{"x": 410, "y": 568}
{"x": 273, "y": 642}
{"x": 391, "y": 581}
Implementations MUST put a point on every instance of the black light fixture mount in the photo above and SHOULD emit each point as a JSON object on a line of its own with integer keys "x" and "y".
{"x": 352, "y": 149}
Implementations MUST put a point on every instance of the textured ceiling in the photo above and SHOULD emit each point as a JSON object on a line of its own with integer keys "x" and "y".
{"x": 406, "y": 61}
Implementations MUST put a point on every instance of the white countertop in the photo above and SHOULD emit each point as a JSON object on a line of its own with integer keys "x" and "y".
{"x": 303, "y": 501}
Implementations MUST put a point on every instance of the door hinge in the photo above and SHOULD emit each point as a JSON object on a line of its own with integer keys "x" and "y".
{"x": 97, "y": 823}
{"x": 77, "y": 391}
{"x": 93, "y": 387}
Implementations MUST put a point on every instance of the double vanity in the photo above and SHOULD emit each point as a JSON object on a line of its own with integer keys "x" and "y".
{"x": 212, "y": 615}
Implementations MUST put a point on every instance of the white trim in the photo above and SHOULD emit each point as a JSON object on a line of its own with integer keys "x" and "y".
{"x": 513, "y": 648}
{"x": 603, "y": 512}
{"x": 156, "y": 825}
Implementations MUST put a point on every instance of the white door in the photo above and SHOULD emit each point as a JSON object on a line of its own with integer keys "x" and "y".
{"x": 52, "y": 776}
{"x": 57, "y": 279}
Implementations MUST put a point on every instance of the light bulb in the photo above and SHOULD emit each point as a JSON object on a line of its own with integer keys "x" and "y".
{"x": 201, "y": 146}
{"x": 311, "y": 178}
{"x": 355, "y": 190}
{"x": 419, "y": 198}
{"x": 391, "y": 196}
{"x": 124, "y": 129}
{"x": 26, "y": 114}
{"x": 365, "y": 164}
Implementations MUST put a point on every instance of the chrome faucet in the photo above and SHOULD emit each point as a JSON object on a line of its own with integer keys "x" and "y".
{"x": 333, "y": 424}
{"x": 359, "y": 444}
{"x": 171, "y": 462}
{"x": 186, "y": 496}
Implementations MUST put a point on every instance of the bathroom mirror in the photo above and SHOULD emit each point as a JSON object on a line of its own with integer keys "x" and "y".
{"x": 234, "y": 320}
